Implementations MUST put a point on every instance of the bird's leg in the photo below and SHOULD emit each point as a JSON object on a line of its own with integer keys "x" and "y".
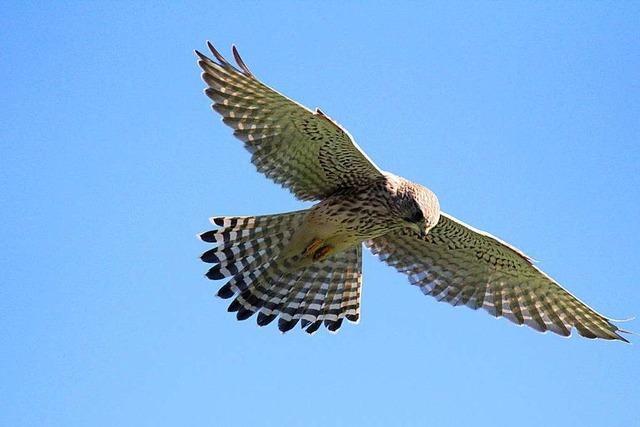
{"x": 312, "y": 247}
{"x": 322, "y": 253}
{"x": 317, "y": 250}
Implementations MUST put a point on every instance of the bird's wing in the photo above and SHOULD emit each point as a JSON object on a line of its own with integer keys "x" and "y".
{"x": 302, "y": 150}
{"x": 464, "y": 266}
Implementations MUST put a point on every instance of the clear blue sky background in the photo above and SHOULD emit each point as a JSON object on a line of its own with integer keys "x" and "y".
{"x": 522, "y": 116}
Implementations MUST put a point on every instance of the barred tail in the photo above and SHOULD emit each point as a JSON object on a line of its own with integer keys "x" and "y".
{"x": 246, "y": 253}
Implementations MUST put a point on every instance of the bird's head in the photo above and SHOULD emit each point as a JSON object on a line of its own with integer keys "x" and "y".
{"x": 420, "y": 210}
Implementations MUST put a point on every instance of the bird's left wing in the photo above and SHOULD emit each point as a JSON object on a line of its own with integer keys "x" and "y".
{"x": 302, "y": 150}
{"x": 464, "y": 266}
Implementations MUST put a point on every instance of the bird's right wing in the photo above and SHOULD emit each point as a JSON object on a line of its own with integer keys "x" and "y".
{"x": 464, "y": 266}
{"x": 302, "y": 150}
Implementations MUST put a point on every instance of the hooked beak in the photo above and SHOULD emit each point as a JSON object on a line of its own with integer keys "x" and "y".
{"x": 419, "y": 228}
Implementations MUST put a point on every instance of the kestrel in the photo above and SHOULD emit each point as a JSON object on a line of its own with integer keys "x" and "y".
{"x": 306, "y": 266}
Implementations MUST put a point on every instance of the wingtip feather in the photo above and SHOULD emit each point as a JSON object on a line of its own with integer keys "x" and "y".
{"x": 200, "y": 55}
{"x": 217, "y": 54}
{"x": 240, "y": 61}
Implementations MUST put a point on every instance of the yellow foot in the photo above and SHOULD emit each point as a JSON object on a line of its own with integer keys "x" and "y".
{"x": 322, "y": 253}
{"x": 312, "y": 247}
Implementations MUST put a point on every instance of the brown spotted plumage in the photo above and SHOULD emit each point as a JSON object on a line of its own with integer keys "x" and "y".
{"x": 305, "y": 267}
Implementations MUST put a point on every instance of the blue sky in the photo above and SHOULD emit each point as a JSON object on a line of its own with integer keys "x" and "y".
{"x": 521, "y": 116}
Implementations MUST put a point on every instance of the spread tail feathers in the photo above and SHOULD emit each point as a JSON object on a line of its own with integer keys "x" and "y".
{"x": 246, "y": 254}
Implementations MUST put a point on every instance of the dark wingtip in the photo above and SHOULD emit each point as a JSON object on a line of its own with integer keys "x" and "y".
{"x": 239, "y": 61}
{"x": 265, "y": 319}
{"x": 210, "y": 256}
{"x": 217, "y": 54}
{"x": 286, "y": 325}
{"x": 621, "y": 338}
{"x": 353, "y": 318}
{"x": 214, "y": 273}
{"x": 334, "y": 326}
{"x": 234, "y": 306}
{"x": 313, "y": 327}
{"x": 201, "y": 55}
{"x": 225, "y": 292}
{"x": 244, "y": 314}
{"x": 208, "y": 236}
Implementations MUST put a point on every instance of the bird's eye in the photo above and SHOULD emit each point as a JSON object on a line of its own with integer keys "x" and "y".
{"x": 416, "y": 217}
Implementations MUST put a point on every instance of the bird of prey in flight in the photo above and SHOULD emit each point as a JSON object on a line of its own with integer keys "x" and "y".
{"x": 306, "y": 266}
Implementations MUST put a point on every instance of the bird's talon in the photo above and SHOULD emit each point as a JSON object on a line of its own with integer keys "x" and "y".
{"x": 322, "y": 253}
{"x": 312, "y": 247}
